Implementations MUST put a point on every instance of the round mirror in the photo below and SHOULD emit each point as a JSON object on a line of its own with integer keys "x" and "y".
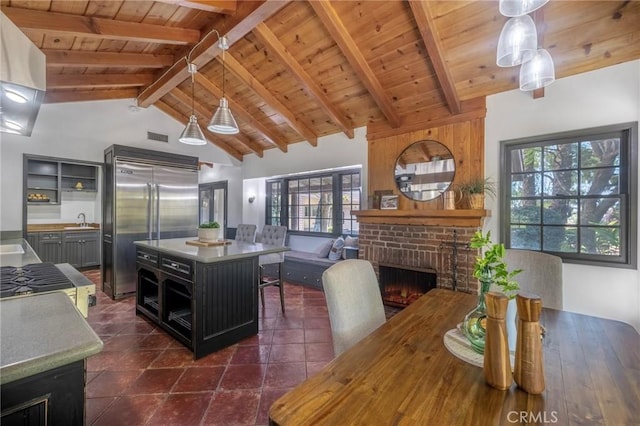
{"x": 424, "y": 170}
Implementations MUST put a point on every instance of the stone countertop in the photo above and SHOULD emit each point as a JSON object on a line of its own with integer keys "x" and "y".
{"x": 40, "y": 332}
{"x": 17, "y": 252}
{"x": 59, "y": 227}
{"x": 235, "y": 250}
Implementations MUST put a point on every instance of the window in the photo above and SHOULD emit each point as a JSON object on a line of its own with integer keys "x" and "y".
{"x": 573, "y": 195}
{"x": 315, "y": 203}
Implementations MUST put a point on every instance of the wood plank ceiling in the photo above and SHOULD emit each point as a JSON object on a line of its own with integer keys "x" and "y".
{"x": 297, "y": 70}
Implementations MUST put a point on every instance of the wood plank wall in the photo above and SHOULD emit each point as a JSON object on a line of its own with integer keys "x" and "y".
{"x": 465, "y": 140}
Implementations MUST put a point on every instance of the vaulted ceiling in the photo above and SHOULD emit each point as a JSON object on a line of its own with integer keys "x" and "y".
{"x": 298, "y": 70}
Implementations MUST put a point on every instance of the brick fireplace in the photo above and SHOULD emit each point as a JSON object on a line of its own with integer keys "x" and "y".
{"x": 423, "y": 247}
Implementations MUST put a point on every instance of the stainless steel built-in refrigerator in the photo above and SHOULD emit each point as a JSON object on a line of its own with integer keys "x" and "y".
{"x": 148, "y": 195}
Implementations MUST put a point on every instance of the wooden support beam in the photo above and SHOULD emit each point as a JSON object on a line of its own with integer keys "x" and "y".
{"x": 204, "y": 119}
{"x": 227, "y": 7}
{"x": 96, "y": 81}
{"x": 82, "y": 26}
{"x": 332, "y": 22}
{"x": 243, "y": 74}
{"x": 238, "y": 111}
{"x": 236, "y": 27}
{"x": 81, "y": 58}
{"x": 426, "y": 25}
{"x": 271, "y": 42}
{"x": 183, "y": 120}
{"x": 57, "y": 96}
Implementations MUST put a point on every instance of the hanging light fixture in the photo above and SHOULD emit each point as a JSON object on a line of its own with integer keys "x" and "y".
{"x": 518, "y": 41}
{"x": 513, "y": 8}
{"x": 222, "y": 121}
{"x": 538, "y": 72}
{"x": 192, "y": 134}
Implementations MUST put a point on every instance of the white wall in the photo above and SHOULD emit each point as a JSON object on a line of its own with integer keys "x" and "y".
{"x": 598, "y": 98}
{"x": 82, "y": 131}
{"x": 332, "y": 151}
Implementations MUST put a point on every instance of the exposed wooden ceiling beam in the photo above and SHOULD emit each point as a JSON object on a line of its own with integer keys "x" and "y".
{"x": 237, "y": 26}
{"x": 243, "y": 74}
{"x": 96, "y": 81}
{"x": 52, "y": 97}
{"x": 162, "y": 106}
{"x": 426, "y": 25}
{"x": 226, "y": 7}
{"x": 239, "y": 111}
{"x": 204, "y": 115}
{"x": 271, "y": 42}
{"x": 332, "y": 22}
{"x": 81, "y": 26}
{"x": 80, "y": 58}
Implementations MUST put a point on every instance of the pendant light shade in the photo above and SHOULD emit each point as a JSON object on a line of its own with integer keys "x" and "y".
{"x": 538, "y": 72}
{"x": 518, "y": 41}
{"x": 192, "y": 134}
{"x": 520, "y": 7}
{"x": 222, "y": 121}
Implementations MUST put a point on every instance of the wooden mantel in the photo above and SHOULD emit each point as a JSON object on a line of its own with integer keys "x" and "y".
{"x": 458, "y": 217}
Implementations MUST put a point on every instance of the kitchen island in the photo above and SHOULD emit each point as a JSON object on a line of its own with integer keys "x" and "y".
{"x": 205, "y": 297}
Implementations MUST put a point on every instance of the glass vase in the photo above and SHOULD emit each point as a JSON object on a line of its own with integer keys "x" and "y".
{"x": 474, "y": 324}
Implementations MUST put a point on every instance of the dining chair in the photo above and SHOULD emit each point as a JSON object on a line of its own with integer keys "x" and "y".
{"x": 354, "y": 302}
{"x": 246, "y": 233}
{"x": 275, "y": 236}
{"x": 541, "y": 274}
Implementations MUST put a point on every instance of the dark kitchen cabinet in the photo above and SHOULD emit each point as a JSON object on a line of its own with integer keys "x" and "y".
{"x": 32, "y": 239}
{"x": 46, "y": 177}
{"x": 49, "y": 248}
{"x": 82, "y": 249}
{"x": 54, "y": 397}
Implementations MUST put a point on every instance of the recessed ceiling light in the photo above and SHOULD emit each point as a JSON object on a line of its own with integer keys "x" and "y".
{"x": 12, "y": 125}
{"x": 15, "y": 96}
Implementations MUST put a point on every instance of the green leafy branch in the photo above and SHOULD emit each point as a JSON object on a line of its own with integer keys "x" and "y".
{"x": 491, "y": 264}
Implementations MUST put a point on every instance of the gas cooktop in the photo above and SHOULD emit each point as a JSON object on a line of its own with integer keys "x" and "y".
{"x": 32, "y": 278}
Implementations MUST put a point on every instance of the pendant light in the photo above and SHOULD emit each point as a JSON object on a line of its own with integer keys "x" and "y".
{"x": 513, "y": 8}
{"x": 192, "y": 134}
{"x": 518, "y": 41}
{"x": 538, "y": 72}
{"x": 222, "y": 121}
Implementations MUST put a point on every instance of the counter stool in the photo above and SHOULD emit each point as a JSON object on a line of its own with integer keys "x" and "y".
{"x": 275, "y": 236}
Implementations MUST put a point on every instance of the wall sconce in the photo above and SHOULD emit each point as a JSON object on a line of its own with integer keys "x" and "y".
{"x": 252, "y": 198}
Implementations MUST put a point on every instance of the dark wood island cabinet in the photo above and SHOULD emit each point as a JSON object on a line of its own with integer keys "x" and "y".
{"x": 205, "y": 297}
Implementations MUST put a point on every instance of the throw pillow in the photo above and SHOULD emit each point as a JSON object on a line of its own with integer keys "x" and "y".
{"x": 349, "y": 241}
{"x": 323, "y": 251}
{"x": 336, "y": 249}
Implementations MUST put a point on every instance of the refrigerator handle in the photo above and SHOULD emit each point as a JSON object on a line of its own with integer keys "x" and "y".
{"x": 157, "y": 211}
{"x": 149, "y": 208}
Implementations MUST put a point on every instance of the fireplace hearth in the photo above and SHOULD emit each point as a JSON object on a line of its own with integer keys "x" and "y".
{"x": 400, "y": 286}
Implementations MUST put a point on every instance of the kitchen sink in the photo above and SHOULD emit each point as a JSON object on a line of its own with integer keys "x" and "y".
{"x": 11, "y": 249}
{"x": 70, "y": 228}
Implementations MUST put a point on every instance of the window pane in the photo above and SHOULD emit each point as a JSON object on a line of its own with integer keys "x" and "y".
{"x": 599, "y": 153}
{"x": 525, "y": 211}
{"x": 600, "y": 181}
{"x": 560, "y": 239}
{"x": 604, "y": 240}
{"x": 561, "y": 156}
{"x": 560, "y": 212}
{"x": 526, "y": 159}
{"x": 526, "y": 185}
{"x": 561, "y": 183}
{"x": 525, "y": 237}
{"x": 600, "y": 211}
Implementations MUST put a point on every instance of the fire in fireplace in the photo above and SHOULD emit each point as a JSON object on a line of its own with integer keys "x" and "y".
{"x": 402, "y": 285}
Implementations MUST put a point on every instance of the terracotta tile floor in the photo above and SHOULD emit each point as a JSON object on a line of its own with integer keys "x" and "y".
{"x": 145, "y": 377}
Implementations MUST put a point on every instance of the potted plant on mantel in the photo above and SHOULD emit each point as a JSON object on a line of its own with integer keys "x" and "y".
{"x": 475, "y": 190}
{"x": 490, "y": 269}
{"x": 209, "y": 232}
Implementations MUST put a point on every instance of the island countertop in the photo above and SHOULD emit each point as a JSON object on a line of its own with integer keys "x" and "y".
{"x": 31, "y": 339}
{"x": 234, "y": 250}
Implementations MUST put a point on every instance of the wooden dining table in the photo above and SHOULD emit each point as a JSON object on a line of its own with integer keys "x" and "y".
{"x": 403, "y": 374}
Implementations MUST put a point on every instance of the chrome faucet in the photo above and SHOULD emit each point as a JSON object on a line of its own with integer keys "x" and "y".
{"x": 84, "y": 219}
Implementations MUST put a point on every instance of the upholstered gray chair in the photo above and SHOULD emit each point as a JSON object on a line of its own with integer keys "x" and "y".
{"x": 541, "y": 274}
{"x": 354, "y": 302}
{"x": 246, "y": 233}
{"x": 275, "y": 236}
